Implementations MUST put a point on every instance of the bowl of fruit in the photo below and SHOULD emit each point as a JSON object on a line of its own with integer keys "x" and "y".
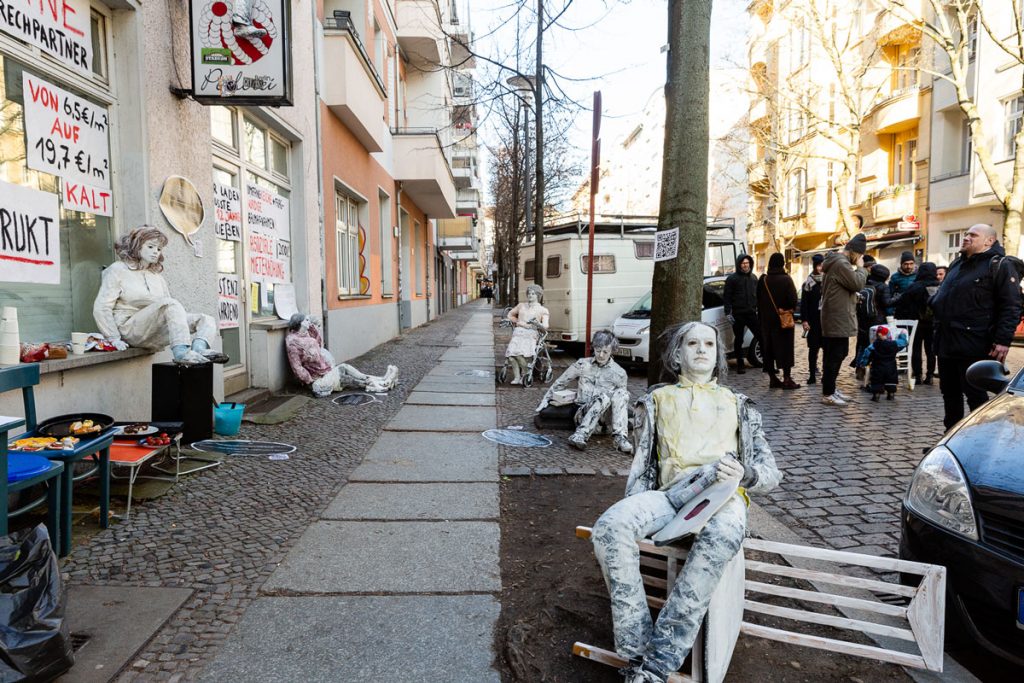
{"x": 156, "y": 440}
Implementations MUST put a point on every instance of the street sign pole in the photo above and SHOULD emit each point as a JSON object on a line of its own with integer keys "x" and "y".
{"x": 595, "y": 174}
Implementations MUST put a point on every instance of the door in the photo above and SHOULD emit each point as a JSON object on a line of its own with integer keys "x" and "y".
{"x": 405, "y": 265}
{"x": 230, "y": 263}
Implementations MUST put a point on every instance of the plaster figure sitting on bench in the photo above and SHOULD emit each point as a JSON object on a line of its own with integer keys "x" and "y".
{"x": 314, "y": 365}
{"x": 134, "y": 306}
{"x": 600, "y": 395}
{"x": 679, "y": 429}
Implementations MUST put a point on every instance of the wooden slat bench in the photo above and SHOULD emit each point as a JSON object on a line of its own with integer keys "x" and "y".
{"x": 920, "y": 622}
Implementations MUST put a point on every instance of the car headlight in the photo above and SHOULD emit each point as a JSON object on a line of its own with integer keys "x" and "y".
{"x": 644, "y": 330}
{"x": 938, "y": 492}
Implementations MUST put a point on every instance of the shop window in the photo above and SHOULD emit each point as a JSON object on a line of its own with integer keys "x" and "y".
{"x": 51, "y": 312}
{"x": 222, "y": 126}
{"x": 554, "y": 267}
{"x": 603, "y": 263}
{"x": 349, "y": 238}
{"x": 255, "y": 144}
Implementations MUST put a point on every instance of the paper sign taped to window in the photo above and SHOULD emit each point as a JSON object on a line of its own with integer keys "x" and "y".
{"x": 229, "y": 302}
{"x": 86, "y": 198}
{"x": 29, "y": 235}
{"x": 666, "y": 244}
{"x": 284, "y": 300}
{"x": 59, "y": 28}
{"x": 227, "y": 212}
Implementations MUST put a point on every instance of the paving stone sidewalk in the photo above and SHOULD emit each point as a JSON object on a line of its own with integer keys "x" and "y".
{"x": 223, "y": 532}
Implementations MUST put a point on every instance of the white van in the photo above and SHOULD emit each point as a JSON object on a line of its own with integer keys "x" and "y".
{"x": 623, "y": 268}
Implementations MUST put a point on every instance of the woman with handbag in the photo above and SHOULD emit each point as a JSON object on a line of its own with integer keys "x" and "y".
{"x": 776, "y": 301}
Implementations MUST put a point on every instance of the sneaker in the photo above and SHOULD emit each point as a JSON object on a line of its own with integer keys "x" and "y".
{"x": 841, "y": 395}
{"x": 578, "y": 442}
{"x": 833, "y": 400}
{"x": 516, "y": 381}
{"x": 622, "y": 443}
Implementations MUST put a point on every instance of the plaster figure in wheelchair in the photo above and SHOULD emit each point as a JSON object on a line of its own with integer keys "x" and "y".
{"x": 601, "y": 396}
{"x": 527, "y": 349}
{"x": 695, "y": 430}
{"x": 314, "y": 365}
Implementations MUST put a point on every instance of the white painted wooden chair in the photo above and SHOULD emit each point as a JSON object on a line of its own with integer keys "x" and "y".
{"x": 919, "y": 624}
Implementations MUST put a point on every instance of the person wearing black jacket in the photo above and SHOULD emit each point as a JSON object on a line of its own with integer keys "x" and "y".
{"x": 977, "y": 309}
{"x": 740, "y": 299}
{"x": 775, "y": 291}
{"x": 913, "y": 305}
{"x": 810, "y": 315}
{"x": 873, "y": 313}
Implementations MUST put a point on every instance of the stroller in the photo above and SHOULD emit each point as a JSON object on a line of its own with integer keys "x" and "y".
{"x": 540, "y": 362}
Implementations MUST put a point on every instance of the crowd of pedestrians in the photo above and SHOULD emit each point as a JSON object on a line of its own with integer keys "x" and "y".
{"x": 964, "y": 312}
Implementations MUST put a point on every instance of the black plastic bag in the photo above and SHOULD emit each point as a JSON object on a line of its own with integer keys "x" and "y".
{"x": 34, "y": 641}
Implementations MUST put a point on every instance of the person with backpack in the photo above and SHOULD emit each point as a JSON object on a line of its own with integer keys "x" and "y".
{"x": 872, "y": 305}
{"x": 913, "y": 305}
{"x": 843, "y": 279}
{"x": 977, "y": 308}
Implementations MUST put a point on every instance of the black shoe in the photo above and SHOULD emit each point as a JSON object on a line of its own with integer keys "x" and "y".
{"x": 811, "y": 379}
{"x": 927, "y": 380}
{"x": 890, "y": 397}
{"x": 874, "y": 397}
{"x": 740, "y": 370}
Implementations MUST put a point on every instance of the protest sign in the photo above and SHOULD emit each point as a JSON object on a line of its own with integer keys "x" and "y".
{"x": 269, "y": 235}
{"x": 29, "y": 235}
{"x": 227, "y": 212}
{"x": 228, "y": 301}
{"x": 57, "y": 27}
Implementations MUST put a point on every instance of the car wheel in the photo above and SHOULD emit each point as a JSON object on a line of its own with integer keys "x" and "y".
{"x": 754, "y": 356}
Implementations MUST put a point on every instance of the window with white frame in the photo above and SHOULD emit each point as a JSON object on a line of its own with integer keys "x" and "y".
{"x": 50, "y": 312}
{"x": 1014, "y": 108}
{"x": 387, "y": 266}
{"x": 796, "y": 192}
{"x": 953, "y": 242}
{"x": 966, "y": 146}
{"x": 346, "y": 234}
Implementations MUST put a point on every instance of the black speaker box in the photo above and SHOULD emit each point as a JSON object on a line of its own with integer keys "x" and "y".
{"x": 184, "y": 393}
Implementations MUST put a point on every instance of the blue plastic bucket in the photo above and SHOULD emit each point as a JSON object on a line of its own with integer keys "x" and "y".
{"x": 227, "y": 418}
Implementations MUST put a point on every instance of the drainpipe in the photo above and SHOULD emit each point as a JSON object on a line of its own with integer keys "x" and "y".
{"x": 320, "y": 184}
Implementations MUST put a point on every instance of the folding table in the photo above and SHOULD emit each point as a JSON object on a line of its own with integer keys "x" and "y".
{"x": 133, "y": 456}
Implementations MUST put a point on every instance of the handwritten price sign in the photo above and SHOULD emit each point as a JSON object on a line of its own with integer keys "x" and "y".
{"x": 66, "y": 135}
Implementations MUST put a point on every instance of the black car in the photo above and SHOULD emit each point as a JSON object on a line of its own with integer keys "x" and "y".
{"x": 964, "y": 509}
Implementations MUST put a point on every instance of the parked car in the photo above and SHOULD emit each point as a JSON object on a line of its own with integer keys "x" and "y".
{"x": 964, "y": 509}
{"x": 633, "y": 328}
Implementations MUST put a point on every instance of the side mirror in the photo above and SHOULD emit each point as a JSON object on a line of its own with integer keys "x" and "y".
{"x": 990, "y": 375}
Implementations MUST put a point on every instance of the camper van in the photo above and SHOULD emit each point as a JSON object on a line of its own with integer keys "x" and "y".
{"x": 623, "y": 268}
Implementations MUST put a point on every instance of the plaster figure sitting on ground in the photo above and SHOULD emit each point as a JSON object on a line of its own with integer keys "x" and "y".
{"x": 134, "y": 306}
{"x": 680, "y": 428}
{"x": 314, "y": 365}
{"x": 529, "y": 319}
{"x": 601, "y": 393}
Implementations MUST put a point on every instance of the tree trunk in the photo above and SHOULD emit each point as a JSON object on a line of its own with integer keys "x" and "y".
{"x": 1011, "y": 231}
{"x": 538, "y": 123}
{"x": 677, "y": 284}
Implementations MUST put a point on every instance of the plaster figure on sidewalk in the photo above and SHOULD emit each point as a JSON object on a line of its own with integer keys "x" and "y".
{"x": 601, "y": 394}
{"x": 134, "y": 306}
{"x": 679, "y": 429}
{"x": 529, "y": 319}
{"x": 314, "y": 365}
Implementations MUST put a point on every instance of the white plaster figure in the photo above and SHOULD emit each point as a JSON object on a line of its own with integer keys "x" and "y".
{"x": 134, "y": 306}
{"x": 601, "y": 393}
{"x": 678, "y": 428}
{"x": 241, "y": 20}
{"x": 314, "y": 365}
{"x": 529, "y": 319}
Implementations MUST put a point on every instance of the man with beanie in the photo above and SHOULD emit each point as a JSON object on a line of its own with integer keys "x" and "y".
{"x": 810, "y": 315}
{"x": 843, "y": 279}
{"x": 901, "y": 280}
{"x": 976, "y": 309}
{"x": 740, "y": 299}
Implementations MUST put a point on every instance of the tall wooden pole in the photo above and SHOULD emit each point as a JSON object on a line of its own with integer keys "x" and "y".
{"x": 677, "y": 283}
{"x": 595, "y": 174}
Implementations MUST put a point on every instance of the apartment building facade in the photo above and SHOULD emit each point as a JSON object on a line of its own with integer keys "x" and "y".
{"x": 840, "y": 137}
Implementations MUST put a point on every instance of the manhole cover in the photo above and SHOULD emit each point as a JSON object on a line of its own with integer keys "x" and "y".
{"x": 354, "y": 398}
{"x": 520, "y": 439}
{"x": 475, "y": 373}
{"x": 241, "y": 447}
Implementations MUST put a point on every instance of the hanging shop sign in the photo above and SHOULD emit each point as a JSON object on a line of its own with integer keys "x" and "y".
{"x": 227, "y": 212}
{"x": 58, "y": 27}
{"x": 269, "y": 235}
{"x": 66, "y": 135}
{"x": 29, "y": 235}
{"x": 241, "y": 52}
{"x": 229, "y": 301}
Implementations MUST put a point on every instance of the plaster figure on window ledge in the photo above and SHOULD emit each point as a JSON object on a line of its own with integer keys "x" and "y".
{"x": 241, "y": 20}
{"x": 680, "y": 429}
{"x": 134, "y": 306}
{"x": 601, "y": 391}
{"x": 314, "y": 365}
{"x": 529, "y": 319}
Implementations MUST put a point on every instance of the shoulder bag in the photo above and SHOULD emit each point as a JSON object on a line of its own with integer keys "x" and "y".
{"x": 786, "y": 320}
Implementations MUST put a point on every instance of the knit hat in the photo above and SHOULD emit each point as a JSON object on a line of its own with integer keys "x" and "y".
{"x": 882, "y": 331}
{"x": 906, "y": 256}
{"x": 869, "y": 260}
{"x": 858, "y": 244}
{"x": 776, "y": 260}
{"x": 817, "y": 259}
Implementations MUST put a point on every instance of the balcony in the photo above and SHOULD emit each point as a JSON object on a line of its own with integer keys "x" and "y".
{"x": 757, "y": 235}
{"x": 419, "y": 31}
{"x": 894, "y": 202}
{"x": 464, "y": 170}
{"x": 421, "y": 167}
{"x": 898, "y": 112}
{"x": 353, "y": 91}
{"x": 457, "y": 234}
{"x": 467, "y": 202}
{"x": 759, "y": 177}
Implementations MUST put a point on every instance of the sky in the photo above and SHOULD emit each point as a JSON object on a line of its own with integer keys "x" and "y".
{"x": 617, "y": 43}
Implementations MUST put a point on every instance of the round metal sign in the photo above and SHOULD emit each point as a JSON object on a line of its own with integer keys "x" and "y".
{"x": 242, "y": 447}
{"x": 517, "y": 438}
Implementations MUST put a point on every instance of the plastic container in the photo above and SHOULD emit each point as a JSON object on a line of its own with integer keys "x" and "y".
{"x": 227, "y": 418}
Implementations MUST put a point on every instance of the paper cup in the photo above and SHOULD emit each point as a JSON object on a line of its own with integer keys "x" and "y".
{"x": 79, "y": 337}
{"x": 77, "y": 348}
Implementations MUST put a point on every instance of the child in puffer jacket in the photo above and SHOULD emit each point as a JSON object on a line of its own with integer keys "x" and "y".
{"x": 881, "y": 356}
